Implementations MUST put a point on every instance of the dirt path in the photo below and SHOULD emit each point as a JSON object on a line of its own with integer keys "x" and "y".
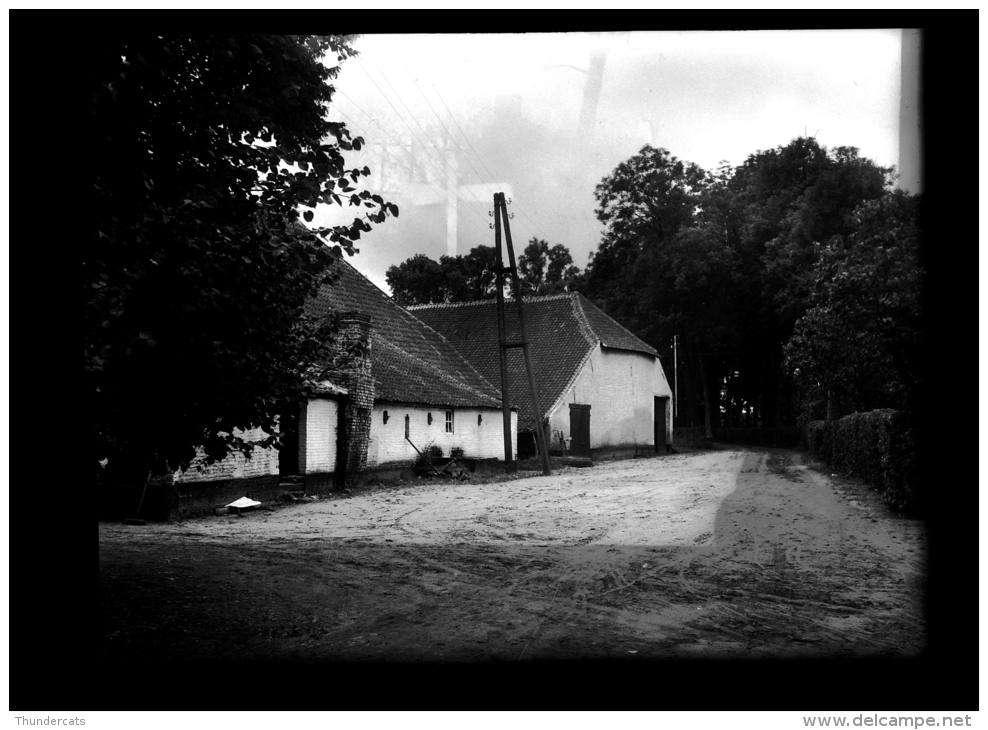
{"x": 726, "y": 553}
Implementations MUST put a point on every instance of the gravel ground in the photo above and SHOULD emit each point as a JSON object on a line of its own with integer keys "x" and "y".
{"x": 720, "y": 554}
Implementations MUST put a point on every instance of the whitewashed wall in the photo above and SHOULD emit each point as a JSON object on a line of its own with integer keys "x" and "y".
{"x": 620, "y": 386}
{"x": 321, "y": 426}
{"x": 263, "y": 462}
{"x": 478, "y": 441}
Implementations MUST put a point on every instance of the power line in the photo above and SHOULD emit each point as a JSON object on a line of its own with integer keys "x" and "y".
{"x": 466, "y": 139}
{"x": 413, "y": 159}
{"x": 446, "y": 164}
{"x": 384, "y": 76}
{"x": 425, "y": 146}
{"x": 386, "y": 151}
{"x": 453, "y": 138}
{"x": 479, "y": 158}
{"x": 446, "y": 129}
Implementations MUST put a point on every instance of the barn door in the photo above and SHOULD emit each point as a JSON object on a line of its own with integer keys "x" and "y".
{"x": 579, "y": 430}
{"x": 660, "y": 425}
{"x": 288, "y": 454}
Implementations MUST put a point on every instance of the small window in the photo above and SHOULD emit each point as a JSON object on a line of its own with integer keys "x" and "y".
{"x": 449, "y": 421}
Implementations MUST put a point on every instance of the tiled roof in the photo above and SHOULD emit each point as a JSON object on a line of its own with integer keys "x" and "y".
{"x": 410, "y": 362}
{"x": 562, "y": 331}
{"x": 609, "y": 332}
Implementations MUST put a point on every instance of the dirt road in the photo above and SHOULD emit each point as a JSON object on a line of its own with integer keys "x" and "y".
{"x": 727, "y": 553}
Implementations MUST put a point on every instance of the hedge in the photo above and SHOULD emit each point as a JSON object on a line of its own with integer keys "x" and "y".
{"x": 878, "y": 447}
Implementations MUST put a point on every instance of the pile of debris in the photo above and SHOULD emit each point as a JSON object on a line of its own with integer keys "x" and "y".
{"x": 246, "y": 504}
{"x": 455, "y": 470}
{"x": 296, "y": 496}
{"x": 239, "y": 506}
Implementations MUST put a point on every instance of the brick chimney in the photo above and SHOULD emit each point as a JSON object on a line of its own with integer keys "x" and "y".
{"x": 354, "y": 338}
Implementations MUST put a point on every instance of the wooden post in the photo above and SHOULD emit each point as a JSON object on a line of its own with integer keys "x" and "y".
{"x": 509, "y": 462}
{"x": 516, "y": 288}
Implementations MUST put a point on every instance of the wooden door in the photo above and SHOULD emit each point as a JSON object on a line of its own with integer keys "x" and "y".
{"x": 579, "y": 430}
{"x": 660, "y": 425}
{"x": 288, "y": 461}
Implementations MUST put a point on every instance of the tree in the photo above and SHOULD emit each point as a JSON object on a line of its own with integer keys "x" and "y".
{"x": 856, "y": 347}
{"x": 421, "y": 280}
{"x": 195, "y": 267}
{"x": 653, "y": 272}
{"x": 643, "y": 203}
{"x": 792, "y": 200}
{"x": 726, "y": 262}
{"x": 418, "y": 280}
{"x": 471, "y": 277}
{"x": 543, "y": 270}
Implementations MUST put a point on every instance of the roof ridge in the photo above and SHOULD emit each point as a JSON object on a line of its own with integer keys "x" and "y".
{"x": 477, "y": 302}
{"x": 645, "y": 347}
{"x": 447, "y": 305}
{"x": 581, "y": 317}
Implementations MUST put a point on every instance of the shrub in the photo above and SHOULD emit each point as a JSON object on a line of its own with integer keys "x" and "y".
{"x": 456, "y": 452}
{"x": 429, "y": 454}
{"x": 878, "y": 447}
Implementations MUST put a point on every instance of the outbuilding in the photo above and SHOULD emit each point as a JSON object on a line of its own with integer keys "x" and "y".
{"x": 601, "y": 389}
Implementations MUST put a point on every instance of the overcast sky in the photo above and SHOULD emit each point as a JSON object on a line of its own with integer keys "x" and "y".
{"x": 478, "y": 114}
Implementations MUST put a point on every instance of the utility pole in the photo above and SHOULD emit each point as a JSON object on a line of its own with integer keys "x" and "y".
{"x": 509, "y": 462}
{"x": 500, "y": 209}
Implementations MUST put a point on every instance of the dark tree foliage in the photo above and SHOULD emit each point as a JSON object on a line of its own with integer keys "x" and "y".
{"x": 856, "y": 348}
{"x": 421, "y": 280}
{"x": 418, "y": 280}
{"x": 471, "y": 277}
{"x": 740, "y": 262}
{"x": 644, "y": 203}
{"x": 543, "y": 270}
{"x": 195, "y": 267}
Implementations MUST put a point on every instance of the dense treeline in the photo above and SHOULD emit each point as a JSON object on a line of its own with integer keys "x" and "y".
{"x": 542, "y": 270}
{"x": 791, "y": 282}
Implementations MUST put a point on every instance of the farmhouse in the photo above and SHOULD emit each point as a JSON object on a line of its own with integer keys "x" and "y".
{"x": 401, "y": 389}
{"x": 408, "y": 391}
{"x": 600, "y": 388}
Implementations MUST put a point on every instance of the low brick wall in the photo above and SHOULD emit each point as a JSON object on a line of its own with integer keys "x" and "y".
{"x": 202, "y": 498}
{"x": 320, "y": 483}
{"x": 263, "y": 462}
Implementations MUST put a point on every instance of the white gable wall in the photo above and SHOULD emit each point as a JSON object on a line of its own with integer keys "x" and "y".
{"x": 620, "y": 386}
{"x": 478, "y": 441}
